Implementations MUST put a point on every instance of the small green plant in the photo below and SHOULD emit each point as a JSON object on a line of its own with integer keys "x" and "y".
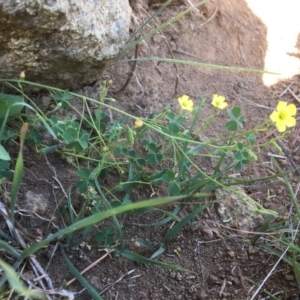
{"x": 162, "y": 149}
{"x": 106, "y": 237}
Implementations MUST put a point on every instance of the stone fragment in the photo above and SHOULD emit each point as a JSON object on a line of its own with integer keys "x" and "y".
{"x": 64, "y": 43}
{"x": 231, "y": 209}
{"x": 36, "y": 203}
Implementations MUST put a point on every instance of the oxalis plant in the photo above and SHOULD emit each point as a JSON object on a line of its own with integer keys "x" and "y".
{"x": 162, "y": 151}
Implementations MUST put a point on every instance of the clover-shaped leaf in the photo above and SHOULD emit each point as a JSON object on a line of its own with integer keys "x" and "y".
{"x": 231, "y": 125}
{"x": 174, "y": 188}
{"x": 168, "y": 176}
{"x": 153, "y": 158}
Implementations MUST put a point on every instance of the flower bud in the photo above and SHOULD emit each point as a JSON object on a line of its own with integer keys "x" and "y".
{"x": 22, "y": 75}
{"x": 138, "y": 123}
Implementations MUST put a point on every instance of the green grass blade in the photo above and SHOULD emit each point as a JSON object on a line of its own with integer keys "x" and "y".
{"x": 144, "y": 25}
{"x": 17, "y": 284}
{"x": 145, "y": 244}
{"x": 73, "y": 244}
{"x": 9, "y": 249}
{"x": 158, "y": 252}
{"x": 7, "y": 114}
{"x": 164, "y": 25}
{"x": 276, "y": 252}
{"x": 141, "y": 259}
{"x": 80, "y": 278}
{"x": 6, "y": 236}
{"x": 108, "y": 206}
{"x": 18, "y": 174}
{"x": 178, "y": 227}
{"x": 70, "y": 207}
{"x": 15, "y": 266}
{"x": 171, "y": 216}
{"x": 296, "y": 268}
{"x": 98, "y": 217}
{"x": 198, "y": 64}
{"x": 290, "y": 190}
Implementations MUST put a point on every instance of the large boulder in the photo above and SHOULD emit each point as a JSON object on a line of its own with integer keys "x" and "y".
{"x": 63, "y": 43}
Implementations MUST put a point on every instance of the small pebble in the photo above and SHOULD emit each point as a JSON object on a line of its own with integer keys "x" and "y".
{"x": 231, "y": 253}
{"x": 289, "y": 277}
{"x": 179, "y": 277}
{"x": 213, "y": 279}
{"x": 235, "y": 281}
{"x": 251, "y": 249}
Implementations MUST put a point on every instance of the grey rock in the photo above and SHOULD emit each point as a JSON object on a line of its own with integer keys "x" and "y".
{"x": 36, "y": 203}
{"x": 231, "y": 209}
{"x": 65, "y": 43}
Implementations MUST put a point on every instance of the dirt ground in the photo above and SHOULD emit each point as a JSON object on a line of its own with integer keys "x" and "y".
{"x": 221, "y": 32}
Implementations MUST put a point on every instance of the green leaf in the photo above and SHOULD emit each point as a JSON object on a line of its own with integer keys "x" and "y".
{"x": 241, "y": 155}
{"x": 100, "y": 237}
{"x": 240, "y": 166}
{"x": 140, "y": 162}
{"x": 240, "y": 146}
{"x": 63, "y": 97}
{"x": 84, "y": 173}
{"x": 11, "y": 103}
{"x": 231, "y": 125}
{"x": 17, "y": 284}
{"x": 121, "y": 151}
{"x": 4, "y": 154}
{"x": 152, "y": 147}
{"x": 90, "y": 289}
{"x": 8, "y": 248}
{"x": 174, "y": 128}
{"x": 70, "y": 135}
{"x": 168, "y": 176}
{"x": 50, "y": 149}
{"x": 145, "y": 244}
{"x": 153, "y": 158}
{"x": 174, "y": 188}
{"x": 141, "y": 259}
{"x": 235, "y": 112}
{"x": 159, "y": 251}
{"x": 251, "y": 138}
{"x": 97, "y": 218}
{"x": 109, "y": 230}
{"x": 170, "y": 116}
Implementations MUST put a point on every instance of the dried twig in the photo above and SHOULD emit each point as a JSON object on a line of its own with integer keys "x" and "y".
{"x": 130, "y": 75}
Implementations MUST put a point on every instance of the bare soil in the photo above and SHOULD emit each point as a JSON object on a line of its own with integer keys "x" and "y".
{"x": 221, "y": 32}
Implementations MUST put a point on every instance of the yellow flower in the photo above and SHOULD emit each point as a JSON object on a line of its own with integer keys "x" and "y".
{"x": 219, "y": 101}
{"x": 138, "y": 123}
{"x": 283, "y": 116}
{"x": 186, "y": 103}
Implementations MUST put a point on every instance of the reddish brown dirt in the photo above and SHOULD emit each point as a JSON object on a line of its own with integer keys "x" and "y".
{"x": 222, "y": 32}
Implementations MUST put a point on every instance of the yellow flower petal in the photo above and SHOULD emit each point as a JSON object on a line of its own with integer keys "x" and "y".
{"x": 219, "y": 101}
{"x": 290, "y": 122}
{"x": 223, "y": 105}
{"x": 281, "y": 105}
{"x": 281, "y": 126}
{"x": 274, "y": 116}
{"x": 283, "y": 116}
{"x": 291, "y": 108}
{"x": 186, "y": 103}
